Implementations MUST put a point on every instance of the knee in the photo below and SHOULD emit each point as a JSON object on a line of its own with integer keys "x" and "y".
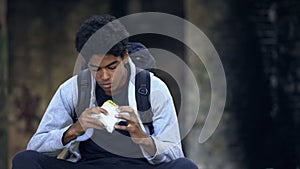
{"x": 185, "y": 163}
{"x": 24, "y": 157}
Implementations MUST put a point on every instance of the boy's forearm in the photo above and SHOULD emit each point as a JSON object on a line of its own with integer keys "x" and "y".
{"x": 72, "y": 133}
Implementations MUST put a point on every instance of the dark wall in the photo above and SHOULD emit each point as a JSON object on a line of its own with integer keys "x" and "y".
{"x": 263, "y": 81}
{"x": 258, "y": 43}
{"x": 277, "y": 29}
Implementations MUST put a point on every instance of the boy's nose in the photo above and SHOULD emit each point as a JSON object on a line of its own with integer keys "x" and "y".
{"x": 103, "y": 74}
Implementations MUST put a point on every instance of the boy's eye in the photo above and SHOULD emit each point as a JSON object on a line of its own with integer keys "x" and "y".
{"x": 112, "y": 67}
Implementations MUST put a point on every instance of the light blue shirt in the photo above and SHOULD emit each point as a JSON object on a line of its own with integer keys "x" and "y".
{"x": 58, "y": 118}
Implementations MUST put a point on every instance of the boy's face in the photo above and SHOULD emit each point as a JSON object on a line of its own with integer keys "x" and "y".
{"x": 109, "y": 72}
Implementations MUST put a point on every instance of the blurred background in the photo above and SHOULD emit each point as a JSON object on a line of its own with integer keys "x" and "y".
{"x": 258, "y": 42}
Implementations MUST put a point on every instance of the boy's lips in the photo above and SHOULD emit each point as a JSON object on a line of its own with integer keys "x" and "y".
{"x": 106, "y": 85}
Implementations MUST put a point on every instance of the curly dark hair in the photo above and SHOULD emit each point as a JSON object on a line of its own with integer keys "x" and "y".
{"x": 101, "y": 35}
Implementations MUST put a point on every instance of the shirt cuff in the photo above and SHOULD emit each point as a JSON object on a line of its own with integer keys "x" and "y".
{"x": 158, "y": 157}
{"x": 88, "y": 134}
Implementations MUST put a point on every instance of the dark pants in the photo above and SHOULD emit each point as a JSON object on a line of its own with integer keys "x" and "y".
{"x": 35, "y": 160}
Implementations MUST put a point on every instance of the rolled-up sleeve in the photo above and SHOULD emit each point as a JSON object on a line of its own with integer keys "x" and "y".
{"x": 166, "y": 134}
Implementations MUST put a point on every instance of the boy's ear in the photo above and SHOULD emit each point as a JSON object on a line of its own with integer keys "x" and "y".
{"x": 126, "y": 57}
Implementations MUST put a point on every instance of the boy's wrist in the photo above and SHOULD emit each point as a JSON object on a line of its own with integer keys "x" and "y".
{"x": 72, "y": 133}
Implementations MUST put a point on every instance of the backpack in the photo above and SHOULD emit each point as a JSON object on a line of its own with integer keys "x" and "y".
{"x": 144, "y": 62}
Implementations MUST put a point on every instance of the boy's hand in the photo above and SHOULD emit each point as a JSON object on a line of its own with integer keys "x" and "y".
{"x": 84, "y": 122}
{"x": 133, "y": 125}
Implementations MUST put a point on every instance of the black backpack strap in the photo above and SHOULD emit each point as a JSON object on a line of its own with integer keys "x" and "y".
{"x": 84, "y": 86}
{"x": 142, "y": 95}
